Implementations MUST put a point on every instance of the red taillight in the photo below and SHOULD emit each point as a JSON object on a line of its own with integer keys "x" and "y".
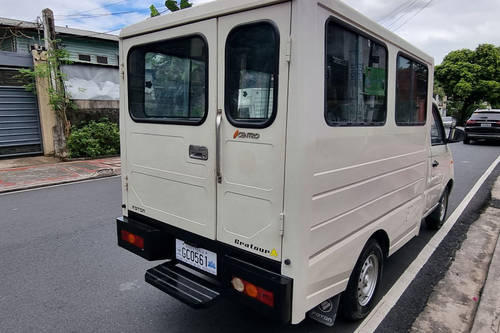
{"x": 253, "y": 291}
{"x": 133, "y": 239}
{"x": 471, "y": 122}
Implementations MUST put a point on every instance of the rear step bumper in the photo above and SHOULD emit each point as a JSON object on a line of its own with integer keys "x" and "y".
{"x": 194, "y": 287}
{"x": 181, "y": 284}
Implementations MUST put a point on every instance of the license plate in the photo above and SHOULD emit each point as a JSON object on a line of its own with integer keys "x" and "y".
{"x": 197, "y": 257}
{"x": 485, "y": 125}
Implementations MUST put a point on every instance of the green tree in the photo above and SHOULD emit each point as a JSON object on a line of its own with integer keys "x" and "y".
{"x": 172, "y": 5}
{"x": 470, "y": 78}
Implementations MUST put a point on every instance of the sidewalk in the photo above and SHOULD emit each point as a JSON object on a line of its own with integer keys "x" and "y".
{"x": 15, "y": 175}
{"x": 467, "y": 298}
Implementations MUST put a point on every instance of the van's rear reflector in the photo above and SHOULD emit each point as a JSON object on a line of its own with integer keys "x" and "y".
{"x": 143, "y": 239}
{"x": 133, "y": 239}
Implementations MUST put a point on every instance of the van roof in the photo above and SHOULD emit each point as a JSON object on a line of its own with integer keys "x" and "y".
{"x": 224, "y": 7}
{"x": 193, "y": 14}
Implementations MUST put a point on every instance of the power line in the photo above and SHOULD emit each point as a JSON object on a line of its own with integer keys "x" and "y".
{"x": 107, "y": 5}
{"x": 95, "y": 15}
{"x": 426, "y": 5}
{"x": 395, "y": 11}
{"x": 404, "y": 13}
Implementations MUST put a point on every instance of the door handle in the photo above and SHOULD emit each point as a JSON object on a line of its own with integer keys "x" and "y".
{"x": 198, "y": 152}
{"x": 435, "y": 164}
{"x": 218, "y": 121}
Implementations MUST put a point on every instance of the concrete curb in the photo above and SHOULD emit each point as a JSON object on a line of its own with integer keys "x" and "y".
{"x": 454, "y": 302}
{"x": 487, "y": 318}
{"x": 101, "y": 173}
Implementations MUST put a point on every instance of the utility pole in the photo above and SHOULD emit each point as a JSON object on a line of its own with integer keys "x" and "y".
{"x": 49, "y": 36}
{"x": 61, "y": 128}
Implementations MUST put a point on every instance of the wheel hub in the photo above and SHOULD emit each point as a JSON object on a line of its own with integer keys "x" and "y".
{"x": 368, "y": 279}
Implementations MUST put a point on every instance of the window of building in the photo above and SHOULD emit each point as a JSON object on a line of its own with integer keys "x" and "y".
{"x": 168, "y": 81}
{"x": 7, "y": 43}
{"x": 411, "y": 92}
{"x": 84, "y": 57}
{"x": 12, "y": 77}
{"x": 252, "y": 53}
{"x": 102, "y": 60}
{"x": 355, "y": 78}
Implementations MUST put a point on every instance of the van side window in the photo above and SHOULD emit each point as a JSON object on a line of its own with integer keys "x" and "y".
{"x": 167, "y": 81}
{"x": 437, "y": 129}
{"x": 411, "y": 92}
{"x": 355, "y": 78}
{"x": 252, "y": 53}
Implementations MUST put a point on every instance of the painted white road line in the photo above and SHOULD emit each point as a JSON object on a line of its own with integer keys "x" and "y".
{"x": 42, "y": 187}
{"x": 390, "y": 299}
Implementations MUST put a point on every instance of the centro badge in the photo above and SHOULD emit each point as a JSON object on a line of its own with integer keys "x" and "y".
{"x": 245, "y": 135}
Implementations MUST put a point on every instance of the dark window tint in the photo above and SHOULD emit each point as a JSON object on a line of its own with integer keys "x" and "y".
{"x": 411, "y": 92}
{"x": 102, "y": 60}
{"x": 356, "y": 79}
{"x": 485, "y": 116}
{"x": 437, "y": 130}
{"x": 252, "y": 75}
{"x": 167, "y": 81}
{"x": 84, "y": 57}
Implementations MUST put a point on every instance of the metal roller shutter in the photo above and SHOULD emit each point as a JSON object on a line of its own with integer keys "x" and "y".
{"x": 19, "y": 123}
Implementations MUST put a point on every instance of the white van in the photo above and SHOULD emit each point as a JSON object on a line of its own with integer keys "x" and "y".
{"x": 276, "y": 152}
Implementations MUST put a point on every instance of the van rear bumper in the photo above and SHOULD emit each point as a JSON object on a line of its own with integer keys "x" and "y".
{"x": 159, "y": 244}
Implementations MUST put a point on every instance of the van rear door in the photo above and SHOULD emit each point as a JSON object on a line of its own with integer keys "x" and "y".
{"x": 251, "y": 127}
{"x": 170, "y": 132}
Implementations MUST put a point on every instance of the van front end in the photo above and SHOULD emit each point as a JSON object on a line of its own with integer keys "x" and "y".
{"x": 198, "y": 271}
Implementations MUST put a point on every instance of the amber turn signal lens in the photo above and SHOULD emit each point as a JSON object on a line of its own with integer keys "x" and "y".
{"x": 251, "y": 290}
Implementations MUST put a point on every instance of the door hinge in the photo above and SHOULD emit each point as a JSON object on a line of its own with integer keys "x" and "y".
{"x": 122, "y": 71}
{"x": 282, "y": 223}
{"x": 288, "y": 52}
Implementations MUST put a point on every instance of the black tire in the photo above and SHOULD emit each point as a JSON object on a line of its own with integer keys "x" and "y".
{"x": 352, "y": 305}
{"x": 435, "y": 220}
{"x": 466, "y": 140}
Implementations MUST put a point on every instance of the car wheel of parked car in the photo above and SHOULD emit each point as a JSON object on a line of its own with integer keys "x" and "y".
{"x": 357, "y": 300}
{"x": 436, "y": 219}
{"x": 466, "y": 140}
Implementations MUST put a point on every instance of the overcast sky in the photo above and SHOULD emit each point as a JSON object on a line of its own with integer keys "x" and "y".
{"x": 435, "y": 26}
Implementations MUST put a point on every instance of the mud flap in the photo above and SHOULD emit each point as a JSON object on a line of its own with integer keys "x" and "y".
{"x": 326, "y": 312}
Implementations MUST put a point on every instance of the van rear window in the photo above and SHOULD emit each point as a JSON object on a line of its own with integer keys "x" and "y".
{"x": 356, "y": 78}
{"x": 167, "y": 81}
{"x": 252, "y": 53}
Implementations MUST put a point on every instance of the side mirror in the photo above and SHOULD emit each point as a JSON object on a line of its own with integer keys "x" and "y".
{"x": 456, "y": 135}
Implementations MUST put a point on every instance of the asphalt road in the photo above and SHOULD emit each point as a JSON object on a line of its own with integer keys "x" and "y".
{"x": 61, "y": 270}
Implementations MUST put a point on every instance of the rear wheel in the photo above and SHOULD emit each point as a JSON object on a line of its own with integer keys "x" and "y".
{"x": 466, "y": 140}
{"x": 357, "y": 300}
{"x": 436, "y": 219}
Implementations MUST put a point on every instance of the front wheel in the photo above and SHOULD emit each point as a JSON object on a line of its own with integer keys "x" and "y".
{"x": 436, "y": 219}
{"x": 358, "y": 299}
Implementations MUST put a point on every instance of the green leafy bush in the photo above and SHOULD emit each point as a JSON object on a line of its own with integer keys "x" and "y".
{"x": 94, "y": 139}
